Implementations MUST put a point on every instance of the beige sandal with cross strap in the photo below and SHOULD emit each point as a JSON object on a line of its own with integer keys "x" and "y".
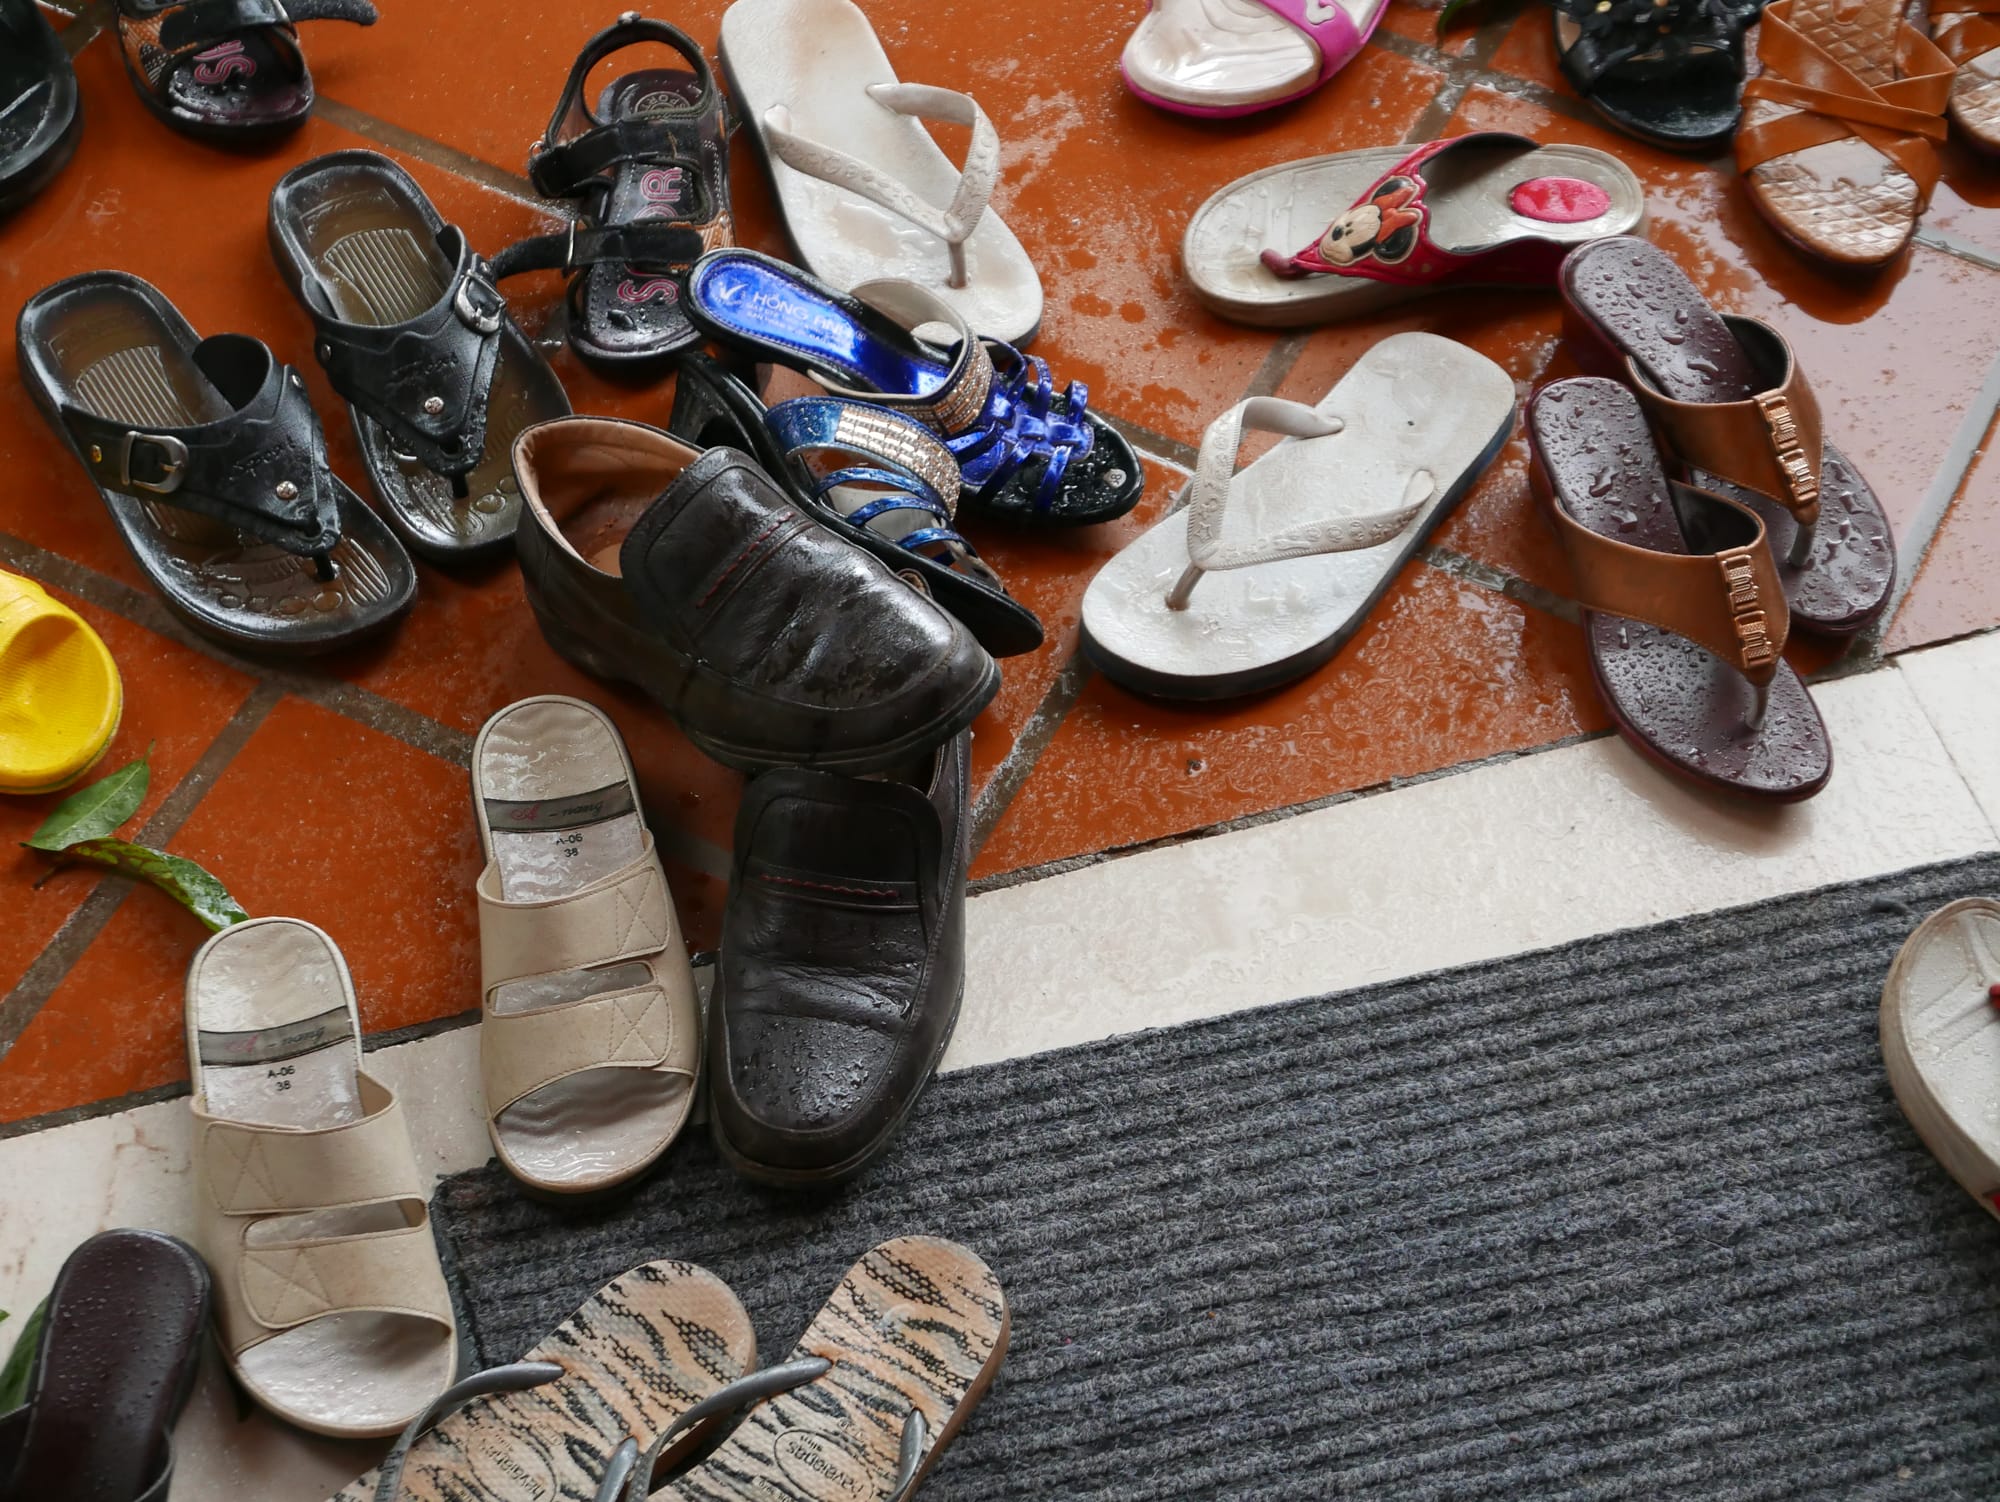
{"x": 309, "y": 1205}
{"x": 1968, "y": 32}
{"x": 590, "y": 1041}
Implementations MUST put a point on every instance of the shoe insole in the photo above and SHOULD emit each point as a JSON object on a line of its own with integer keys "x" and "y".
{"x": 1688, "y": 707}
{"x": 117, "y": 1354}
{"x": 249, "y": 79}
{"x": 1217, "y": 54}
{"x": 1649, "y": 309}
{"x": 917, "y": 1325}
{"x": 807, "y": 65}
{"x": 1421, "y": 417}
{"x": 559, "y": 807}
{"x": 114, "y": 359}
{"x": 278, "y": 1044}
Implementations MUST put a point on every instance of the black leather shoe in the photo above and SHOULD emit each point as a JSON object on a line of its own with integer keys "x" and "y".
{"x": 769, "y": 640}
{"x": 843, "y": 962}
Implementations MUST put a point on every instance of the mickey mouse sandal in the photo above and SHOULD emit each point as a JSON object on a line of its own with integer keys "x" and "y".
{"x": 1727, "y": 400}
{"x": 1216, "y": 59}
{"x": 1941, "y": 1040}
{"x": 865, "y": 193}
{"x": 1840, "y": 128}
{"x": 646, "y": 1353}
{"x": 876, "y": 1389}
{"x": 309, "y": 1205}
{"x": 1265, "y": 574}
{"x": 590, "y": 1041}
{"x": 1667, "y": 71}
{"x": 209, "y": 456}
{"x": 649, "y": 172}
{"x": 40, "y": 121}
{"x": 226, "y": 70}
{"x": 1488, "y": 209}
{"x": 875, "y": 477}
{"x": 410, "y": 330}
{"x": 1685, "y": 620}
{"x": 1031, "y": 454}
{"x": 1968, "y": 32}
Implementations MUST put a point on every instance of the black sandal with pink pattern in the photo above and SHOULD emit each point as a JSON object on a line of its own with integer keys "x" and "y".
{"x": 649, "y": 173}
{"x": 228, "y": 71}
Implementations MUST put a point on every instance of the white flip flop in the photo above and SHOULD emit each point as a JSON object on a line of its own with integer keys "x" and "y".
{"x": 309, "y": 1207}
{"x": 865, "y": 192}
{"x": 590, "y": 1034}
{"x": 1216, "y": 59}
{"x": 1941, "y": 1041}
{"x": 1387, "y": 223}
{"x": 1264, "y": 574}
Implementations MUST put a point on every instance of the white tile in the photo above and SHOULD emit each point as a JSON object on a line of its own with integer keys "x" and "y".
{"x": 1955, "y": 684}
{"x": 1495, "y": 861}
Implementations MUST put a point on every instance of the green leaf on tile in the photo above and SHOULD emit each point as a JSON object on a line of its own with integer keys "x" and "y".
{"x": 96, "y": 810}
{"x": 21, "y": 1362}
{"x": 193, "y": 887}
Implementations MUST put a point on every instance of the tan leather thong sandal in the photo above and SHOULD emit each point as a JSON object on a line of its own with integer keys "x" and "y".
{"x": 1968, "y": 32}
{"x": 877, "y": 1387}
{"x": 1839, "y": 133}
{"x": 590, "y": 1039}
{"x": 1941, "y": 1040}
{"x": 646, "y": 1354}
{"x": 308, "y": 1203}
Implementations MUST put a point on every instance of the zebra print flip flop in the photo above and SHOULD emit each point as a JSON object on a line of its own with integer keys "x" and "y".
{"x": 635, "y": 1358}
{"x": 880, "y": 1383}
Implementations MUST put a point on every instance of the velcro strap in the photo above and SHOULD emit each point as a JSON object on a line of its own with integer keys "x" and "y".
{"x": 643, "y": 242}
{"x": 255, "y": 1170}
{"x": 624, "y": 916}
{"x": 394, "y": 1272}
{"x": 1771, "y": 442}
{"x": 566, "y": 170}
{"x": 202, "y": 23}
{"x": 519, "y": 1052}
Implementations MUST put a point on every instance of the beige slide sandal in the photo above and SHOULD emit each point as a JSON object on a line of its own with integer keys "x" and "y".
{"x": 878, "y": 1386}
{"x": 590, "y": 1038}
{"x": 1941, "y": 1040}
{"x": 309, "y": 1205}
{"x": 639, "y": 1357}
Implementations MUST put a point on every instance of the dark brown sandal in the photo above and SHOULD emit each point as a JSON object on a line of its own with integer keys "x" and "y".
{"x": 1730, "y": 405}
{"x": 1682, "y": 608}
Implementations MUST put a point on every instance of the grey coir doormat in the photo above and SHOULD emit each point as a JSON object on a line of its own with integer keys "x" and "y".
{"x": 1633, "y": 1218}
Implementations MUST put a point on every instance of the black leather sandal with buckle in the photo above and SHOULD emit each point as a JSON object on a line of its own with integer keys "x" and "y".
{"x": 410, "y": 330}
{"x": 210, "y": 458}
{"x": 649, "y": 172}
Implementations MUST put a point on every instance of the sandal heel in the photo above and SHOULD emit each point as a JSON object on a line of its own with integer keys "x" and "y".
{"x": 1594, "y": 353}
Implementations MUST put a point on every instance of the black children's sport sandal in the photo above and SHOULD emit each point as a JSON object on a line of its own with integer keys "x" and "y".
{"x": 39, "y": 118}
{"x": 649, "y": 173}
{"x": 410, "y": 330}
{"x": 875, "y": 477}
{"x": 1667, "y": 71}
{"x": 211, "y": 460}
{"x": 226, "y": 70}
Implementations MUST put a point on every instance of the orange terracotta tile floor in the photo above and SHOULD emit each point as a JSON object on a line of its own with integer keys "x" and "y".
{"x": 336, "y": 790}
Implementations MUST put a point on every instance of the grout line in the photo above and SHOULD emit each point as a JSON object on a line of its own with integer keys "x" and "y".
{"x": 27, "y": 1126}
{"x": 1519, "y": 590}
{"x": 1965, "y": 250}
{"x": 1040, "y": 728}
{"x": 1277, "y": 365}
{"x": 343, "y": 698}
{"x": 1945, "y": 743}
{"x": 1944, "y": 487}
{"x": 461, "y": 163}
{"x": 1157, "y": 445}
{"x": 87, "y": 24}
{"x": 59, "y": 956}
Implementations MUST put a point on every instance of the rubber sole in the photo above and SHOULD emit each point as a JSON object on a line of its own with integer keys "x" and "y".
{"x": 38, "y": 174}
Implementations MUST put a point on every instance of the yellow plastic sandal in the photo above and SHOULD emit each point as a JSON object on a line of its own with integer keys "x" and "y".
{"x": 60, "y": 697}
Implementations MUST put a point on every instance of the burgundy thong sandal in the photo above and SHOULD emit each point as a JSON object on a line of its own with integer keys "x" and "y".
{"x": 226, "y": 70}
{"x": 1682, "y": 608}
{"x": 1729, "y": 403}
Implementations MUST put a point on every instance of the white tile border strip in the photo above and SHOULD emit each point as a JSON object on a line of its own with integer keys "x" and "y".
{"x": 1494, "y": 861}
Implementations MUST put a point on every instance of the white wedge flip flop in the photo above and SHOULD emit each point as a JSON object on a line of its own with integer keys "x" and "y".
{"x": 1941, "y": 1040}
{"x": 590, "y": 1037}
{"x": 309, "y": 1207}
{"x": 864, "y": 190}
{"x": 1265, "y": 573}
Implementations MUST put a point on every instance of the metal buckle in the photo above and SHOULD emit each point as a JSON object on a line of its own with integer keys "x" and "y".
{"x": 171, "y": 467}
{"x": 569, "y": 250}
{"x": 480, "y": 320}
